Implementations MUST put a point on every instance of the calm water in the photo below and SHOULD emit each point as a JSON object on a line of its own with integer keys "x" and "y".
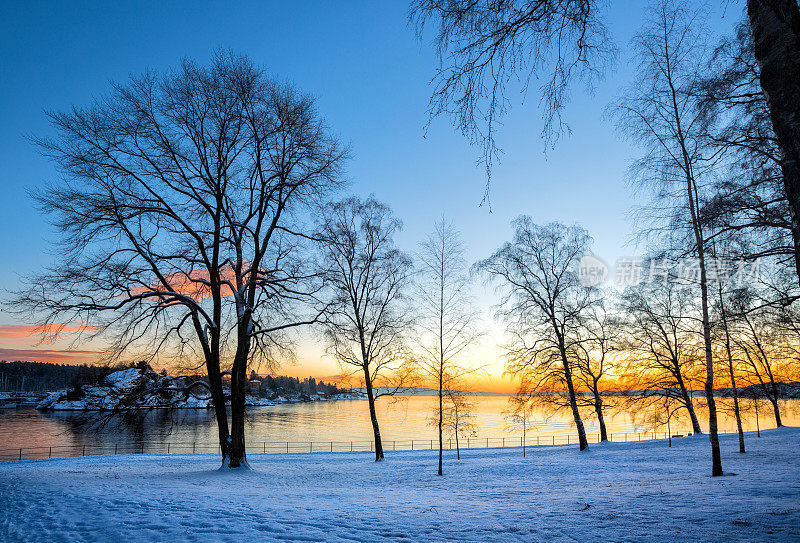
{"x": 313, "y": 426}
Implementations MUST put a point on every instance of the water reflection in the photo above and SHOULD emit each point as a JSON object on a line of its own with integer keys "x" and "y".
{"x": 338, "y": 421}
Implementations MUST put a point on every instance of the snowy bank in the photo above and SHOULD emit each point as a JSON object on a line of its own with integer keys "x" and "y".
{"x": 614, "y": 492}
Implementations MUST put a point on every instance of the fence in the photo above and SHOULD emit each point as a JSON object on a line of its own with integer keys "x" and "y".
{"x": 265, "y": 447}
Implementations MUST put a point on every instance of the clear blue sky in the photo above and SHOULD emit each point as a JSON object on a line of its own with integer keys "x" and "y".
{"x": 370, "y": 75}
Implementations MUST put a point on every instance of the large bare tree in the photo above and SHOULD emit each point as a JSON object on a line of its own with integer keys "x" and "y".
{"x": 447, "y": 323}
{"x": 659, "y": 341}
{"x": 367, "y": 278}
{"x": 660, "y": 112}
{"x": 543, "y": 301}
{"x": 178, "y": 211}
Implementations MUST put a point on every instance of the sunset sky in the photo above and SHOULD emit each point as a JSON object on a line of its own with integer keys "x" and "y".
{"x": 370, "y": 75}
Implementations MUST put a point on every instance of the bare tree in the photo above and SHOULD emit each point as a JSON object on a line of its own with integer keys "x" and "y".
{"x": 485, "y": 45}
{"x": 458, "y": 417}
{"x": 447, "y": 323}
{"x": 659, "y": 342}
{"x": 759, "y": 342}
{"x": 597, "y": 339}
{"x": 367, "y": 279}
{"x": 660, "y": 111}
{"x": 178, "y": 215}
{"x": 519, "y": 412}
{"x": 542, "y": 304}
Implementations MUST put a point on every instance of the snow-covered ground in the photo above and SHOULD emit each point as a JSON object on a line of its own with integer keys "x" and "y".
{"x": 614, "y": 492}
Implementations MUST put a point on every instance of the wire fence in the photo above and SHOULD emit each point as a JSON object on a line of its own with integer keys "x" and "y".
{"x": 276, "y": 447}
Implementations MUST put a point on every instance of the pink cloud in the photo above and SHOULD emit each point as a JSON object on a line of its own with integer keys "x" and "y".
{"x": 49, "y": 355}
{"x": 21, "y": 331}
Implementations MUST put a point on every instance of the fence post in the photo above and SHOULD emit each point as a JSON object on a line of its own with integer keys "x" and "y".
{"x": 167, "y": 448}
{"x": 194, "y": 446}
{"x": 487, "y": 442}
{"x": 115, "y": 447}
{"x": 468, "y": 443}
{"x": 431, "y": 444}
{"x": 84, "y": 450}
{"x": 394, "y": 445}
{"x": 351, "y": 446}
{"x": 331, "y": 446}
{"x": 504, "y": 442}
{"x": 287, "y": 446}
{"x": 412, "y": 444}
{"x": 554, "y": 440}
{"x": 20, "y": 453}
{"x": 50, "y": 453}
{"x": 311, "y": 446}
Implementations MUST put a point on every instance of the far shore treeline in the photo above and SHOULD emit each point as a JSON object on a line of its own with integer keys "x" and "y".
{"x": 25, "y": 376}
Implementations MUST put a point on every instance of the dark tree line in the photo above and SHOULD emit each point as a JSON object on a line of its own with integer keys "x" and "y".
{"x": 40, "y": 376}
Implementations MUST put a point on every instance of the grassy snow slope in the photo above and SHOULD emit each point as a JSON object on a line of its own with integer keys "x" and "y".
{"x": 613, "y": 492}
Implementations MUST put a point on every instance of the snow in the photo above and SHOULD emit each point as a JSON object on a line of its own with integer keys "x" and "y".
{"x": 612, "y": 492}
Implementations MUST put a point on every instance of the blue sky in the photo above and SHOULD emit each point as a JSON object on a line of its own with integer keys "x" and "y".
{"x": 370, "y": 75}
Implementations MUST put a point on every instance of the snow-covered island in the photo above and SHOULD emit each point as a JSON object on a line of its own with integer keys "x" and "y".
{"x": 637, "y": 491}
{"x": 143, "y": 388}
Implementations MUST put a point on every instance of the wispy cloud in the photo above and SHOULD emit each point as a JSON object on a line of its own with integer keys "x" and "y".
{"x": 23, "y": 331}
{"x": 63, "y": 356}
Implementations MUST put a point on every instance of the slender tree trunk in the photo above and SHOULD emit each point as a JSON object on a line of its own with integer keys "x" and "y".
{"x": 598, "y": 408}
{"x": 713, "y": 435}
{"x": 775, "y": 25}
{"x": 573, "y": 402}
{"x": 731, "y": 371}
{"x": 441, "y": 413}
{"x": 376, "y": 431}
{"x": 736, "y": 410}
{"x": 669, "y": 431}
{"x": 758, "y": 426}
{"x": 687, "y": 402}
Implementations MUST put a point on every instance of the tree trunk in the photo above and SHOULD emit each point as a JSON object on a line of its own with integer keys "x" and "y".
{"x": 441, "y": 408}
{"x": 736, "y": 404}
{"x": 774, "y": 402}
{"x": 598, "y": 408}
{"x": 758, "y": 425}
{"x": 775, "y": 25}
{"x": 573, "y": 403}
{"x": 218, "y": 399}
{"x": 713, "y": 435}
{"x": 373, "y": 416}
{"x": 731, "y": 371}
{"x": 687, "y": 400}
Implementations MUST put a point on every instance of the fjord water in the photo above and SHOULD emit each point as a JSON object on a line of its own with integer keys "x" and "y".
{"x": 342, "y": 422}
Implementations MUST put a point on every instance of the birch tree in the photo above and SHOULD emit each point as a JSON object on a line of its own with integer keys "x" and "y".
{"x": 367, "y": 280}
{"x": 660, "y": 112}
{"x": 447, "y": 323}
